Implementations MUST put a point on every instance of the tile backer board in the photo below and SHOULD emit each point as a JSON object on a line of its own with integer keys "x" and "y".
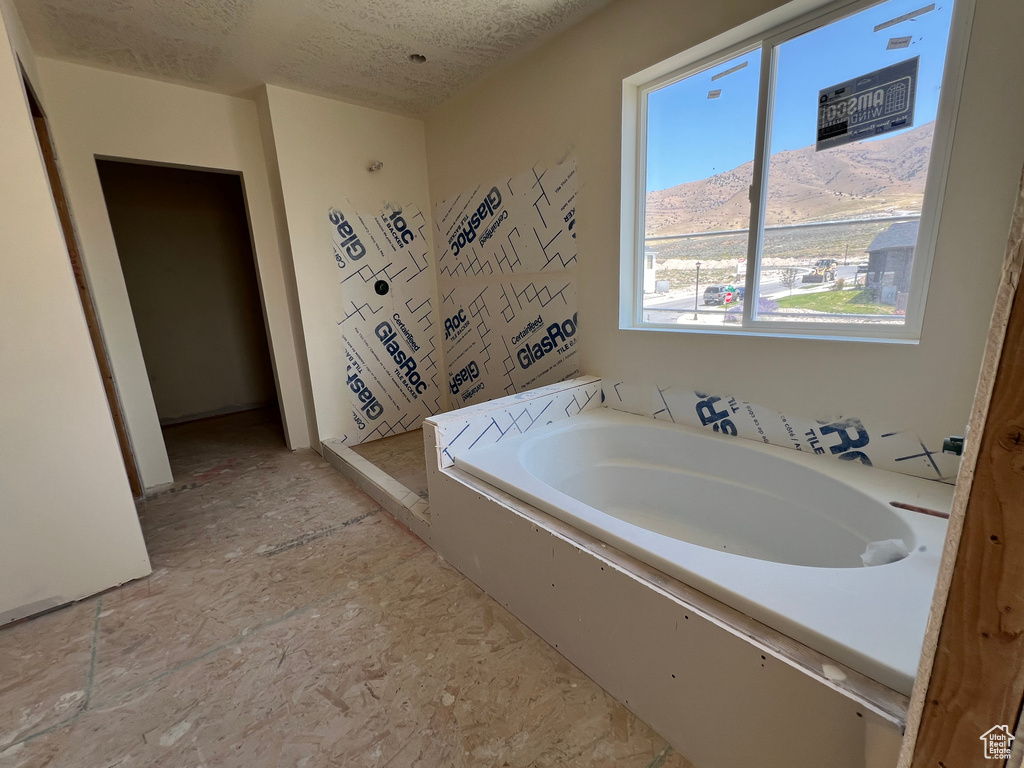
{"x": 847, "y": 439}
{"x": 389, "y": 324}
{"x": 491, "y": 422}
{"x": 522, "y": 225}
{"x": 508, "y": 337}
{"x": 508, "y": 290}
{"x": 405, "y": 504}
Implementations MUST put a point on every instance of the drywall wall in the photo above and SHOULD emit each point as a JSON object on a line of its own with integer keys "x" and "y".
{"x": 284, "y": 245}
{"x": 95, "y": 113}
{"x": 322, "y": 149}
{"x": 68, "y": 527}
{"x": 568, "y": 95}
{"x": 183, "y": 242}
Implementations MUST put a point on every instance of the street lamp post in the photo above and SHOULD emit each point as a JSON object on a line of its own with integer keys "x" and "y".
{"x": 696, "y": 294}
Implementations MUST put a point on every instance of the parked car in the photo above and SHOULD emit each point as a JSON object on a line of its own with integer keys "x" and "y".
{"x": 715, "y": 294}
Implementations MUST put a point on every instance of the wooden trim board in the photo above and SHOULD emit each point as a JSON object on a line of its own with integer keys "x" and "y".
{"x": 971, "y": 676}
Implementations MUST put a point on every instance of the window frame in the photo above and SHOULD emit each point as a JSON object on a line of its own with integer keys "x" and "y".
{"x": 766, "y": 32}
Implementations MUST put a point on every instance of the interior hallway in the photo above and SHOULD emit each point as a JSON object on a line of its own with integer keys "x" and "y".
{"x": 290, "y": 621}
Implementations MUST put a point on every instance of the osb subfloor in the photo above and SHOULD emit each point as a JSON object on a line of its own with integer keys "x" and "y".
{"x": 290, "y": 622}
{"x": 401, "y": 457}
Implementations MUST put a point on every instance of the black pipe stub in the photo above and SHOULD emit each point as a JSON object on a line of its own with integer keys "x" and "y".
{"x": 381, "y": 287}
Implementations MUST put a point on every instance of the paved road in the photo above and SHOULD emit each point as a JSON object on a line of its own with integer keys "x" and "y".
{"x": 668, "y": 311}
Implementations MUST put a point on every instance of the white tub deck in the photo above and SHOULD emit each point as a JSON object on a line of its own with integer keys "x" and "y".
{"x": 772, "y": 532}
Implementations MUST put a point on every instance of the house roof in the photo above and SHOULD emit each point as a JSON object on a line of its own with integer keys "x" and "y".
{"x": 903, "y": 234}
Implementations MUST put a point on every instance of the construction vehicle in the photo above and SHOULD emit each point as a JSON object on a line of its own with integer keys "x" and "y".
{"x": 824, "y": 271}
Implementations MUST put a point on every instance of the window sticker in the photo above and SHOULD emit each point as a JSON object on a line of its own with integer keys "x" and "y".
{"x": 870, "y": 105}
{"x": 905, "y": 17}
{"x": 729, "y": 71}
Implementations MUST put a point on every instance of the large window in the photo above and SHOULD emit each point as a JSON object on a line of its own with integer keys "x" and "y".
{"x": 790, "y": 183}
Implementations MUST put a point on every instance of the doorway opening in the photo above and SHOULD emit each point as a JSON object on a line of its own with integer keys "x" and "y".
{"x": 186, "y": 254}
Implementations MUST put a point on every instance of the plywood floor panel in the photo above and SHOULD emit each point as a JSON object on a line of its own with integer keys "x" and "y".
{"x": 44, "y": 670}
{"x": 291, "y": 621}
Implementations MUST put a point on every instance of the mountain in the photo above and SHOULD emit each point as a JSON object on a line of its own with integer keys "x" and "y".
{"x": 859, "y": 179}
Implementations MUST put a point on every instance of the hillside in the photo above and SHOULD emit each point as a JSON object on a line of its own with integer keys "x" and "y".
{"x": 859, "y": 179}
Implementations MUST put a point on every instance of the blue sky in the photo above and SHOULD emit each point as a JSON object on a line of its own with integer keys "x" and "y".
{"x": 692, "y": 137}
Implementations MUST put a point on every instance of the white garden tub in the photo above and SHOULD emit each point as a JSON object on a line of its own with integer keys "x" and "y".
{"x": 772, "y": 532}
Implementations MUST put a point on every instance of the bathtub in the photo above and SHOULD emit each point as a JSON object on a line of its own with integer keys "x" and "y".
{"x": 775, "y": 533}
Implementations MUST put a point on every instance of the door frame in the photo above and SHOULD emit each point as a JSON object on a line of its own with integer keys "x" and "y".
{"x": 46, "y": 147}
{"x": 255, "y": 267}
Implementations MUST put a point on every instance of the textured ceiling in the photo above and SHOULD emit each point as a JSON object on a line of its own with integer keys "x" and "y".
{"x": 350, "y": 49}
